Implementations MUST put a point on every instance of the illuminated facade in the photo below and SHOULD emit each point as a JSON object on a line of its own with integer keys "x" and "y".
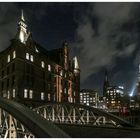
{"x": 32, "y": 75}
{"x": 112, "y": 94}
{"x": 89, "y": 97}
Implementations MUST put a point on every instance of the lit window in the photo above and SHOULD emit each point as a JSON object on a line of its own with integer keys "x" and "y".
{"x": 14, "y": 93}
{"x": 42, "y": 95}
{"x": 8, "y": 58}
{"x": 61, "y": 73}
{"x": 49, "y": 97}
{"x": 65, "y": 75}
{"x": 65, "y": 91}
{"x": 49, "y": 67}
{"x": 32, "y": 58}
{"x": 8, "y": 94}
{"x": 27, "y": 56}
{"x": 42, "y": 64}
{"x": 30, "y": 94}
{"x": 14, "y": 54}
{"x": 25, "y": 93}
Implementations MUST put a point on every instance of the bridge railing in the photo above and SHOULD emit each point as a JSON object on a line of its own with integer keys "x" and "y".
{"x": 79, "y": 114}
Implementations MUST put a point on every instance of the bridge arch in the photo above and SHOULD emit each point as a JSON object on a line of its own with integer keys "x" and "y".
{"x": 37, "y": 125}
{"x": 77, "y": 113}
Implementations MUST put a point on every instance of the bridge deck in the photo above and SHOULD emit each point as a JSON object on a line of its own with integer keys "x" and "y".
{"x": 80, "y": 131}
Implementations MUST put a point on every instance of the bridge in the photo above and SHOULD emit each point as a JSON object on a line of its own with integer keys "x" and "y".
{"x": 56, "y": 120}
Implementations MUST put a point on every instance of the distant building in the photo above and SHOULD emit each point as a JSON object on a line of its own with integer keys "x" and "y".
{"x": 112, "y": 94}
{"x": 102, "y": 103}
{"x": 89, "y": 97}
{"x": 32, "y": 75}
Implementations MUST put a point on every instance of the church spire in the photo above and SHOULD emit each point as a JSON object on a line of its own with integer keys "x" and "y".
{"x": 106, "y": 84}
{"x": 22, "y": 15}
{"x": 22, "y": 34}
{"x": 106, "y": 76}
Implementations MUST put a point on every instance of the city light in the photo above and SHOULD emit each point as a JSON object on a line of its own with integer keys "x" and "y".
{"x": 132, "y": 91}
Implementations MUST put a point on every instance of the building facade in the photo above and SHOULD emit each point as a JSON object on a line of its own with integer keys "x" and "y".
{"x": 89, "y": 97}
{"x": 32, "y": 75}
{"x": 113, "y": 95}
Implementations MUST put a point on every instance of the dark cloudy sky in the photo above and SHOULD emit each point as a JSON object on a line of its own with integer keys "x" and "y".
{"x": 102, "y": 35}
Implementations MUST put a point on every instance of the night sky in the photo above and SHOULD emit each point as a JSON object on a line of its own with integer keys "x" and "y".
{"x": 102, "y": 36}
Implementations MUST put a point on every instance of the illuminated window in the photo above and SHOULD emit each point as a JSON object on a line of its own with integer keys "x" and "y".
{"x": 25, "y": 93}
{"x": 65, "y": 91}
{"x": 30, "y": 94}
{"x": 8, "y": 58}
{"x": 27, "y": 56}
{"x": 8, "y": 96}
{"x": 112, "y": 102}
{"x": 84, "y": 101}
{"x": 42, "y": 64}
{"x": 61, "y": 72}
{"x": 49, "y": 97}
{"x": 49, "y": 67}
{"x": 42, "y": 95}
{"x": 14, "y": 93}
{"x": 14, "y": 54}
{"x": 65, "y": 75}
{"x": 32, "y": 58}
{"x": 117, "y": 91}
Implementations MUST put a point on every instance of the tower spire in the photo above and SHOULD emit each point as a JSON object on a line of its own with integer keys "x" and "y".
{"x": 106, "y": 76}
{"x": 22, "y": 15}
{"x": 23, "y": 33}
{"x": 106, "y": 84}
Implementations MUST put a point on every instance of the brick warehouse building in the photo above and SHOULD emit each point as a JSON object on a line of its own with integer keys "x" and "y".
{"x": 32, "y": 75}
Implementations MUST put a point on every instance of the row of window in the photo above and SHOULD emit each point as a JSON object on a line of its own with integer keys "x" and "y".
{"x": 29, "y": 57}
{"x": 7, "y": 95}
{"x": 29, "y": 94}
{"x": 43, "y": 65}
{"x": 9, "y": 56}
